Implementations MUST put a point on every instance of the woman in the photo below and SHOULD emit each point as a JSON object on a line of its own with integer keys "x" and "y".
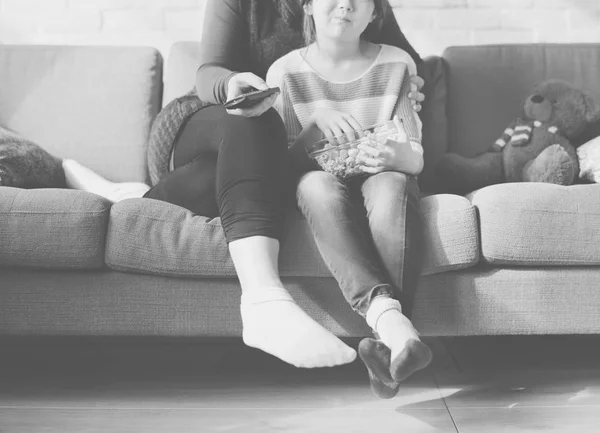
{"x": 241, "y": 154}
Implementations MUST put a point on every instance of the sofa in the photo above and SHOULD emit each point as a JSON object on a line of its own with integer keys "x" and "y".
{"x": 506, "y": 259}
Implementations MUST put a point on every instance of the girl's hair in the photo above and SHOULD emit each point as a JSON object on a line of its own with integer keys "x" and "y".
{"x": 372, "y": 30}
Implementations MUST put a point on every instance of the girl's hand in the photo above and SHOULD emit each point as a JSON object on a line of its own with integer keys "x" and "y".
{"x": 390, "y": 156}
{"x": 336, "y": 124}
{"x": 415, "y": 95}
{"x": 245, "y": 82}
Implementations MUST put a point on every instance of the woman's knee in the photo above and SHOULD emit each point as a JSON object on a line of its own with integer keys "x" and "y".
{"x": 267, "y": 129}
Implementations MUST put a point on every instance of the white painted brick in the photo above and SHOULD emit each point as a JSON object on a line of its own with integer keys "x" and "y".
{"x": 438, "y": 4}
{"x": 585, "y": 35}
{"x": 486, "y": 37}
{"x": 551, "y": 20}
{"x": 414, "y": 19}
{"x": 467, "y": 19}
{"x": 26, "y": 6}
{"x": 70, "y": 22}
{"x": 184, "y": 21}
{"x": 14, "y": 25}
{"x": 105, "y": 4}
{"x": 497, "y": 4}
{"x": 552, "y": 36}
{"x": 578, "y": 19}
{"x": 566, "y": 4}
{"x": 430, "y": 25}
{"x": 173, "y": 3}
{"x": 133, "y": 21}
{"x": 516, "y": 19}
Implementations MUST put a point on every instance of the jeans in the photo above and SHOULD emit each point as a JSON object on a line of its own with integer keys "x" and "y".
{"x": 369, "y": 233}
{"x": 233, "y": 167}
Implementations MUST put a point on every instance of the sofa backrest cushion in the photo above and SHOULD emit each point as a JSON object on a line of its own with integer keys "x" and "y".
{"x": 93, "y": 104}
{"x": 487, "y": 85}
{"x": 180, "y": 69}
{"x": 433, "y": 116}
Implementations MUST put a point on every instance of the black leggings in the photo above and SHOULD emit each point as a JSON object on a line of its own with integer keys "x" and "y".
{"x": 233, "y": 167}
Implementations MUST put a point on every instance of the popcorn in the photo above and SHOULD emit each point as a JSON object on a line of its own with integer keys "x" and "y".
{"x": 344, "y": 160}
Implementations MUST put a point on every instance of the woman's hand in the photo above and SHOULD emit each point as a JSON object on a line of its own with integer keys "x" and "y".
{"x": 245, "y": 82}
{"x": 336, "y": 124}
{"x": 415, "y": 95}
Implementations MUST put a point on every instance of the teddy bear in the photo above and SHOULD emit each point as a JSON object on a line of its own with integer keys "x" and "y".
{"x": 538, "y": 146}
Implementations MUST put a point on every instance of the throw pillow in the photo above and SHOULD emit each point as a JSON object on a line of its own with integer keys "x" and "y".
{"x": 24, "y": 164}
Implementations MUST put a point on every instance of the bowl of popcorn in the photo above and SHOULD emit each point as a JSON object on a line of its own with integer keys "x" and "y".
{"x": 341, "y": 156}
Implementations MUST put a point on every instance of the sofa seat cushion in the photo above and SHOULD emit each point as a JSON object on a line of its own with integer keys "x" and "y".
{"x": 154, "y": 237}
{"x": 539, "y": 224}
{"x": 52, "y": 228}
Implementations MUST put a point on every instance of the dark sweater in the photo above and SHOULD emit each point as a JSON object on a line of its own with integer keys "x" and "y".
{"x": 239, "y": 36}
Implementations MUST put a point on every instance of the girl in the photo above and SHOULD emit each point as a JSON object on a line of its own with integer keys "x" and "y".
{"x": 368, "y": 228}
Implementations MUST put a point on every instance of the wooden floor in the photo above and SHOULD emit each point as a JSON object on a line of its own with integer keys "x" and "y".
{"x": 475, "y": 385}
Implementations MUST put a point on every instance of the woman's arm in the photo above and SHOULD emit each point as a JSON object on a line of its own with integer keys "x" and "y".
{"x": 223, "y": 50}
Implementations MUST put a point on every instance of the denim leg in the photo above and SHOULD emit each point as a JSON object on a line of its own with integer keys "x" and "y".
{"x": 344, "y": 244}
{"x": 392, "y": 203}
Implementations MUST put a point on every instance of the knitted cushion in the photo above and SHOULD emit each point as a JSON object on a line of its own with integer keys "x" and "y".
{"x": 24, "y": 164}
{"x": 164, "y": 131}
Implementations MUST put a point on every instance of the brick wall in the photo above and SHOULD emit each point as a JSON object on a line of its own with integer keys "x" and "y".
{"x": 430, "y": 24}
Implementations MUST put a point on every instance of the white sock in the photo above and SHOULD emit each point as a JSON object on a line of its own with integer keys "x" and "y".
{"x": 274, "y": 323}
{"x": 394, "y": 328}
{"x": 79, "y": 177}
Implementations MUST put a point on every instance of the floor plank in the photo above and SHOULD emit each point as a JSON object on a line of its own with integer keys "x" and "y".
{"x": 528, "y": 420}
{"x": 361, "y": 420}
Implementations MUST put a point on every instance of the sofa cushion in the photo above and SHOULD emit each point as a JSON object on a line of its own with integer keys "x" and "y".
{"x": 150, "y": 236}
{"x": 91, "y": 104}
{"x": 539, "y": 224}
{"x": 450, "y": 233}
{"x": 487, "y": 84}
{"x": 180, "y": 69}
{"x": 52, "y": 228}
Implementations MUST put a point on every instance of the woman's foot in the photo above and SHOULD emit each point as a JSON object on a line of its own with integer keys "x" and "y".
{"x": 80, "y": 177}
{"x": 376, "y": 357}
{"x": 408, "y": 353}
{"x": 274, "y": 323}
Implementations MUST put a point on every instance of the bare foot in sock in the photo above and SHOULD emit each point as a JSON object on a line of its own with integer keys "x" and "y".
{"x": 79, "y": 177}
{"x": 274, "y": 323}
{"x": 408, "y": 353}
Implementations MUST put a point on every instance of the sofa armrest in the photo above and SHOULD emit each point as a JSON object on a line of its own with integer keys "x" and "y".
{"x": 52, "y": 228}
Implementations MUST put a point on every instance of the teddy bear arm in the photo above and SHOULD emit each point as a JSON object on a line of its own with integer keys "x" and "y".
{"x": 458, "y": 174}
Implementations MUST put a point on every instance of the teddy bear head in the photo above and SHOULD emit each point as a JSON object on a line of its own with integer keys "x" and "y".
{"x": 561, "y": 104}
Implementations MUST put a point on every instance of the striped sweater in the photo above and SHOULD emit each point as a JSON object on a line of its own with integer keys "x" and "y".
{"x": 375, "y": 97}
